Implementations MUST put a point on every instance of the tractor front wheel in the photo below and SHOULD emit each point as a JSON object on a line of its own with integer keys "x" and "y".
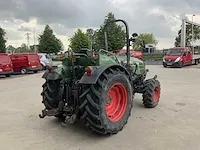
{"x": 106, "y": 106}
{"x": 151, "y": 94}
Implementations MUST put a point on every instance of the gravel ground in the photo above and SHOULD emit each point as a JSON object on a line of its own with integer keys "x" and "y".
{"x": 172, "y": 125}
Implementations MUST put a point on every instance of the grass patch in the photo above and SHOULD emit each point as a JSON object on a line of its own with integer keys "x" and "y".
{"x": 152, "y": 56}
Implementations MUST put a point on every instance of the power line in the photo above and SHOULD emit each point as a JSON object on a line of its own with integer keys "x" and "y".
{"x": 34, "y": 48}
{"x": 34, "y": 36}
{"x": 28, "y": 38}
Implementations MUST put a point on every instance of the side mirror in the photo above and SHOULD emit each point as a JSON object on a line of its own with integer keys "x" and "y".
{"x": 165, "y": 53}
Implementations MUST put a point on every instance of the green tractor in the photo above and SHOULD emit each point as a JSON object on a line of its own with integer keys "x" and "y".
{"x": 98, "y": 88}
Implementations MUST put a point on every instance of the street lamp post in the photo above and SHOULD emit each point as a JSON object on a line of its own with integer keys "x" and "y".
{"x": 192, "y": 32}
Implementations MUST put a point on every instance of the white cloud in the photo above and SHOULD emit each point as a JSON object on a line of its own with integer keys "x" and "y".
{"x": 162, "y": 18}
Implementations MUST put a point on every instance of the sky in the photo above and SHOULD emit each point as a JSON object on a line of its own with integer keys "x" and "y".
{"x": 160, "y": 17}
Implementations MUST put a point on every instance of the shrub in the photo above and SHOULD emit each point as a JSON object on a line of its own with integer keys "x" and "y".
{"x": 152, "y": 56}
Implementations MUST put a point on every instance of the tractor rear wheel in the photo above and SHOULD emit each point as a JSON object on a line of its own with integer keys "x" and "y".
{"x": 151, "y": 94}
{"x": 106, "y": 106}
{"x": 50, "y": 94}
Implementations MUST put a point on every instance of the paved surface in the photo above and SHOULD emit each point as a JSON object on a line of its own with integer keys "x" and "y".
{"x": 173, "y": 125}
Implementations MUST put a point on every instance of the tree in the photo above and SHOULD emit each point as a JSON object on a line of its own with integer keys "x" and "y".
{"x": 79, "y": 40}
{"x": 115, "y": 35}
{"x": 196, "y": 31}
{"x": 10, "y": 49}
{"x": 147, "y": 38}
{"x": 48, "y": 43}
{"x": 2, "y": 41}
{"x": 22, "y": 48}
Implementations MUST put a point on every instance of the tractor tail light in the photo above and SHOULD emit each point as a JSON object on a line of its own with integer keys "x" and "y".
{"x": 88, "y": 71}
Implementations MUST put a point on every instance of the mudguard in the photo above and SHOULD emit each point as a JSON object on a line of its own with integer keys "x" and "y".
{"x": 94, "y": 77}
{"x": 51, "y": 75}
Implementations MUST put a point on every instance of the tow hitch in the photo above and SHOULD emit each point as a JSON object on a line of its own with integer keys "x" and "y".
{"x": 51, "y": 112}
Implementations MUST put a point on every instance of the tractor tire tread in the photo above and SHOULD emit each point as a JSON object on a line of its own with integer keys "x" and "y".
{"x": 90, "y": 105}
{"x": 50, "y": 96}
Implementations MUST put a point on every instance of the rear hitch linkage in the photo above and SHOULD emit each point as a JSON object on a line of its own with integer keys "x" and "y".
{"x": 69, "y": 120}
{"x": 51, "y": 112}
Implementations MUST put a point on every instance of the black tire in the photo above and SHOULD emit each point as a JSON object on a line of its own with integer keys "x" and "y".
{"x": 181, "y": 65}
{"x": 36, "y": 71}
{"x": 23, "y": 70}
{"x": 196, "y": 62}
{"x": 43, "y": 67}
{"x": 148, "y": 95}
{"x": 165, "y": 66}
{"x": 50, "y": 94}
{"x": 8, "y": 75}
{"x": 93, "y": 100}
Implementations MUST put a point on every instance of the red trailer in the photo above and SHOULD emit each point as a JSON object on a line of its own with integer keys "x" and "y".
{"x": 25, "y": 62}
{"x": 6, "y": 67}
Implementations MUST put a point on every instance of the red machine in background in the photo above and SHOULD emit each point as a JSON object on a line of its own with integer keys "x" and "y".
{"x": 6, "y": 66}
{"x": 136, "y": 54}
{"x": 25, "y": 62}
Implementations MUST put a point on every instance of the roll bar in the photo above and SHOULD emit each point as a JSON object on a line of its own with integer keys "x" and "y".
{"x": 127, "y": 37}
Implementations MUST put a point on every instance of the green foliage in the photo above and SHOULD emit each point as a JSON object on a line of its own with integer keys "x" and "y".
{"x": 56, "y": 58}
{"x": 196, "y": 31}
{"x": 22, "y": 49}
{"x": 115, "y": 35}
{"x": 10, "y": 49}
{"x": 79, "y": 40}
{"x": 2, "y": 41}
{"x": 48, "y": 43}
{"x": 147, "y": 38}
{"x": 153, "y": 56}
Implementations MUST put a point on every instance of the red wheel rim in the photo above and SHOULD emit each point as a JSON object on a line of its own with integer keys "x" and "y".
{"x": 117, "y": 102}
{"x": 156, "y": 94}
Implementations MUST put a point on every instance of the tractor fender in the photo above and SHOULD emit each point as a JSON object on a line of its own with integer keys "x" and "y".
{"x": 51, "y": 75}
{"x": 94, "y": 77}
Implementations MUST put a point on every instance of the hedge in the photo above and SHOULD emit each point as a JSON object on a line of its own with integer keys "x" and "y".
{"x": 56, "y": 58}
{"x": 152, "y": 56}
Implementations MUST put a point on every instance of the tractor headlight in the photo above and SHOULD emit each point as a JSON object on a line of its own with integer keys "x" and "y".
{"x": 177, "y": 59}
